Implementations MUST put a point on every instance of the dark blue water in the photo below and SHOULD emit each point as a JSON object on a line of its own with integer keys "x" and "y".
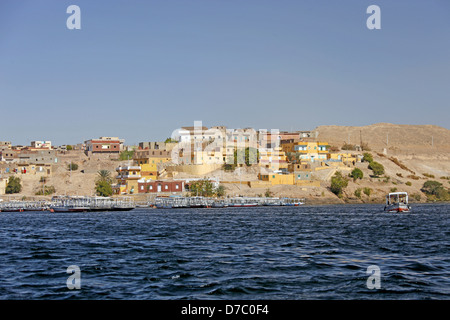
{"x": 308, "y": 252}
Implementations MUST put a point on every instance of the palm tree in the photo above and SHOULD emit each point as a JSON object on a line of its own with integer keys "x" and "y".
{"x": 104, "y": 175}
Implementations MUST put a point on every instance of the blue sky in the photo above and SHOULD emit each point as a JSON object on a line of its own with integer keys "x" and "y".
{"x": 141, "y": 69}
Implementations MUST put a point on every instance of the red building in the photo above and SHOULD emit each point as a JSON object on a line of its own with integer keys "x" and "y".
{"x": 157, "y": 186}
{"x": 104, "y": 145}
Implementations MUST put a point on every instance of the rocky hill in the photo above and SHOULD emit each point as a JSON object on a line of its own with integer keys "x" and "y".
{"x": 395, "y": 138}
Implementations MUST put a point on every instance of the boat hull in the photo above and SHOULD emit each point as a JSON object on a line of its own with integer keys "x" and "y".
{"x": 397, "y": 208}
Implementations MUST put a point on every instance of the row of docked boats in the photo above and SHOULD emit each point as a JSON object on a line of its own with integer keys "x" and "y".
{"x": 69, "y": 204}
{"x": 204, "y": 202}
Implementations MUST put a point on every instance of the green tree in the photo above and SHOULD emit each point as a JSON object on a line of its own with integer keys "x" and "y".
{"x": 69, "y": 147}
{"x": 104, "y": 175}
{"x": 103, "y": 183}
{"x": 435, "y": 191}
{"x": 356, "y": 174}
{"x": 377, "y": 168}
{"x": 170, "y": 140}
{"x": 338, "y": 183}
{"x": 103, "y": 188}
{"x": 126, "y": 155}
{"x": 220, "y": 191}
{"x": 367, "y": 157}
{"x": 13, "y": 185}
{"x": 204, "y": 188}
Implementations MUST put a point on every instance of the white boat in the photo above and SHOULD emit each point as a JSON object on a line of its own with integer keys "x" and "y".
{"x": 397, "y": 202}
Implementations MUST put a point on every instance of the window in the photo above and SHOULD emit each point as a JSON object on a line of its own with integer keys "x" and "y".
{"x": 151, "y": 188}
{"x": 166, "y": 187}
{"x": 176, "y": 186}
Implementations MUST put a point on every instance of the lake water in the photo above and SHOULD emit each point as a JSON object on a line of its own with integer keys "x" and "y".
{"x": 296, "y": 253}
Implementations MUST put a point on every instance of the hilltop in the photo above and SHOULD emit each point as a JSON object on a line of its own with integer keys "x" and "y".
{"x": 395, "y": 138}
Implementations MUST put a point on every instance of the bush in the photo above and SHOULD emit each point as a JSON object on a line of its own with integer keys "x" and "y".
{"x": 348, "y": 146}
{"x": 377, "y": 168}
{"x": 435, "y": 191}
{"x": 13, "y": 186}
{"x": 367, "y": 191}
{"x": 358, "y": 193}
{"x": 338, "y": 183}
{"x": 416, "y": 196}
{"x": 356, "y": 174}
{"x": 428, "y": 175}
{"x": 401, "y": 165}
{"x": 393, "y": 189}
{"x": 414, "y": 177}
{"x": 72, "y": 166}
{"x": 399, "y": 175}
{"x": 268, "y": 193}
{"x": 48, "y": 190}
{"x": 69, "y": 148}
{"x": 408, "y": 183}
{"x": 367, "y": 157}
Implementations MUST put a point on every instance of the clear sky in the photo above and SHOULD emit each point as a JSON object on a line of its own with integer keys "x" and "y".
{"x": 141, "y": 69}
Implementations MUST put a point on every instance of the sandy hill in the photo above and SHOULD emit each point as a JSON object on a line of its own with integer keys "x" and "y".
{"x": 396, "y": 138}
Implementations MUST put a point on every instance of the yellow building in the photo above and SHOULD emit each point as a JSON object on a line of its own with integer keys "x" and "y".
{"x": 273, "y": 159}
{"x": 308, "y": 151}
{"x": 346, "y": 158}
{"x": 275, "y": 178}
{"x": 148, "y": 160}
{"x": 127, "y": 179}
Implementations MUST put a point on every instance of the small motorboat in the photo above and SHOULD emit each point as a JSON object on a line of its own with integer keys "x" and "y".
{"x": 397, "y": 202}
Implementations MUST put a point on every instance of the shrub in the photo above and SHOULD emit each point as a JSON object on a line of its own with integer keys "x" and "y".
{"x": 367, "y": 191}
{"x": 414, "y": 177}
{"x": 338, "y": 183}
{"x": 69, "y": 148}
{"x": 377, "y": 168}
{"x": 416, "y": 196}
{"x": 48, "y": 190}
{"x": 356, "y": 174}
{"x": 367, "y": 157}
{"x": 399, "y": 175}
{"x": 408, "y": 183}
{"x": 435, "y": 191}
{"x": 268, "y": 193}
{"x": 428, "y": 175}
{"x": 365, "y": 146}
{"x": 393, "y": 189}
{"x": 13, "y": 185}
{"x": 401, "y": 165}
{"x": 358, "y": 193}
{"x": 72, "y": 166}
{"x": 347, "y": 146}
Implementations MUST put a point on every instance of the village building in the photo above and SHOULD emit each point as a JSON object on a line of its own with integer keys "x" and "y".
{"x": 127, "y": 180}
{"x": 104, "y": 145}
